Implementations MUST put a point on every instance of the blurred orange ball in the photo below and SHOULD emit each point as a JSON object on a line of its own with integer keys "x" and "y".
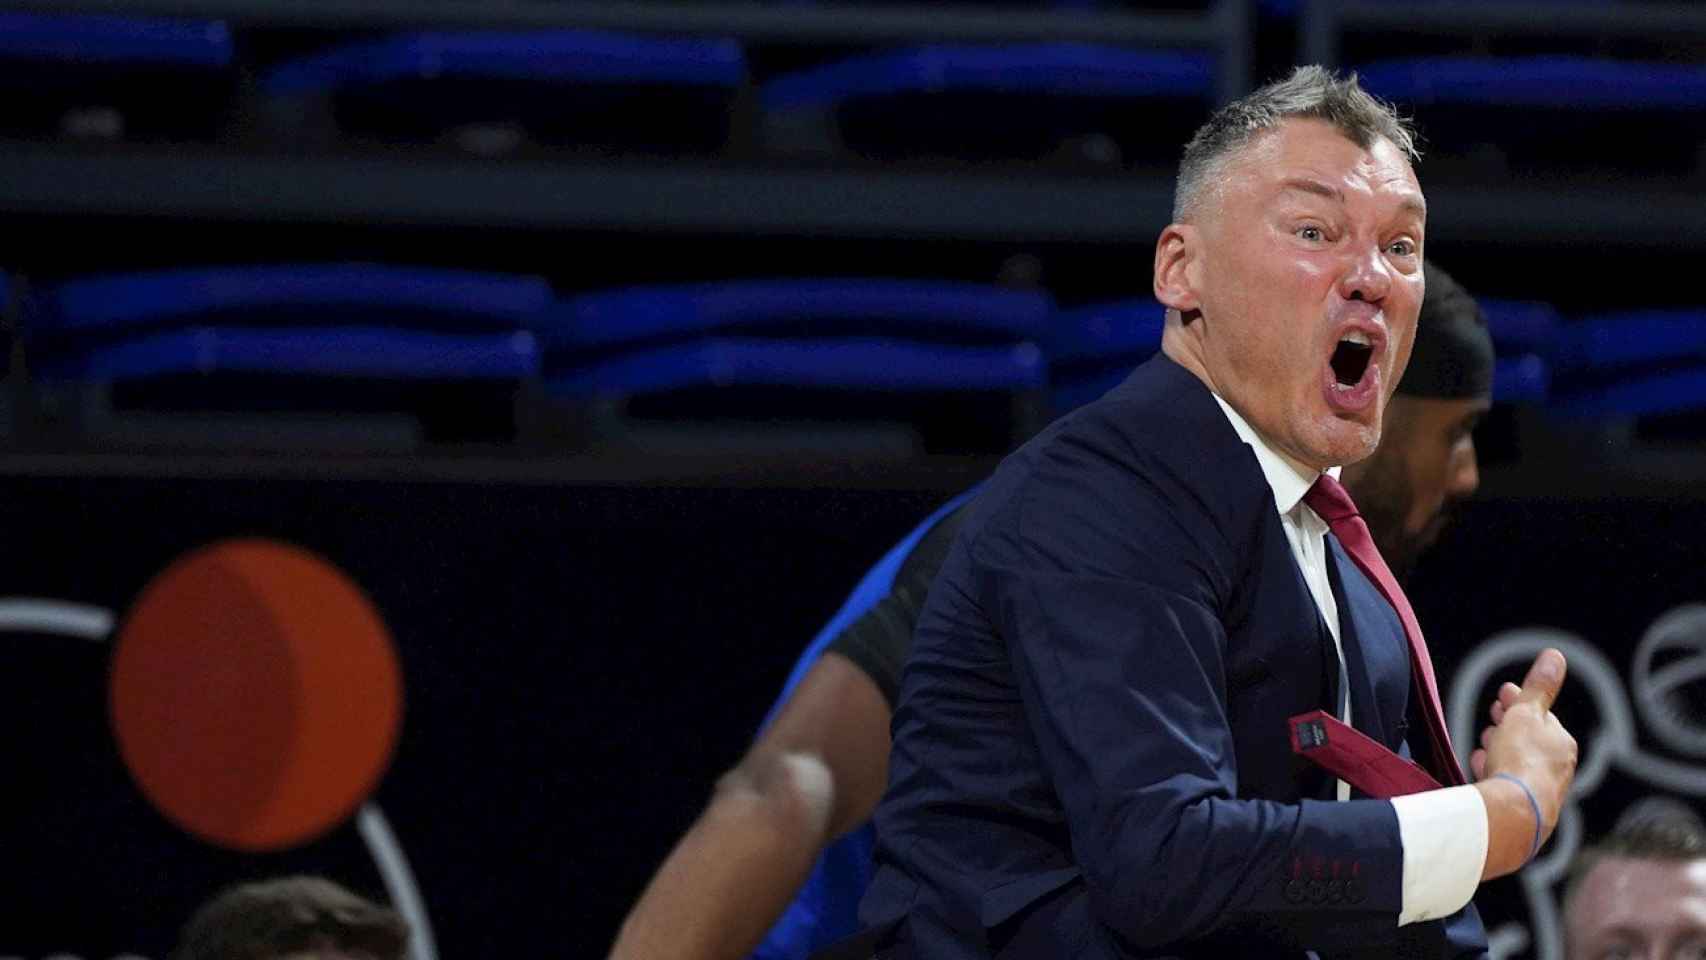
{"x": 256, "y": 695}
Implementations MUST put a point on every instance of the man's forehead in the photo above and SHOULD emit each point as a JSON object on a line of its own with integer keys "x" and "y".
{"x": 1302, "y": 151}
{"x": 1639, "y": 879}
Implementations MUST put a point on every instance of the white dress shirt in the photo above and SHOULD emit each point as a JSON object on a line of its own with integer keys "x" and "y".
{"x": 1443, "y": 832}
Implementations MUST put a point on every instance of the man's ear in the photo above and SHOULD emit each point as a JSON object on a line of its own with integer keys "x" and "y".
{"x": 1177, "y": 270}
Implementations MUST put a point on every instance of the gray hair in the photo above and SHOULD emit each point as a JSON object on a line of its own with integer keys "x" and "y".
{"x": 1310, "y": 92}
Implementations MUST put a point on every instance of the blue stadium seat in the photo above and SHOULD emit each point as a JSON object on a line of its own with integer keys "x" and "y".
{"x": 352, "y": 357}
{"x": 557, "y": 88}
{"x": 1620, "y": 340}
{"x": 1561, "y": 82}
{"x": 1521, "y": 379}
{"x": 1523, "y": 333}
{"x": 334, "y": 320}
{"x": 87, "y": 39}
{"x": 1521, "y": 326}
{"x": 972, "y": 103}
{"x": 877, "y": 364}
{"x": 913, "y": 309}
{"x": 1659, "y": 393}
{"x": 1632, "y": 364}
{"x": 109, "y": 77}
{"x": 865, "y": 334}
{"x": 1091, "y": 349}
{"x": 1058, "y": 69}
{"x": 338, "y": 352}
{"x": 846, "y": 367}
{"x": 1601, "y": 116}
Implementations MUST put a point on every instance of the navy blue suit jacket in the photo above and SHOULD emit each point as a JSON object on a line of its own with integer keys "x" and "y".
{"x": 1090, "y": 749}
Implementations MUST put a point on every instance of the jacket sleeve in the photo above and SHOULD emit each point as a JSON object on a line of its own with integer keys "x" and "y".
{"x": 1109, "y": 605}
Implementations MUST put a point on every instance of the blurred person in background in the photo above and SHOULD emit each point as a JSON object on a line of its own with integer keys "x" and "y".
{"x": 1640, "y": 894}
{"x": 1425, "y": 463}
{"x": 780, "y": 857}
{"x": 293, "y": 918}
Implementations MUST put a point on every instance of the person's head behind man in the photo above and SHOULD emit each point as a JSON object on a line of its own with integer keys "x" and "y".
{"x": 292, "y": 918}
{"x": 1292, "y": 271}
{"x": 1641, "y": 894}
{"x": 1426, "y": 459}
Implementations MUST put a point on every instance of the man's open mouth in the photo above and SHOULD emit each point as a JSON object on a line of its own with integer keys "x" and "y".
{"x": 1351, "y": 358}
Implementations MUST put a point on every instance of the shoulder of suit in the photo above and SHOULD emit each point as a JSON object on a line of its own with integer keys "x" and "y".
{"x": 1152, "y": 472}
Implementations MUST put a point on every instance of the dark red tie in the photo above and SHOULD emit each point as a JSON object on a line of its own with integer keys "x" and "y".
{"x": 1329, "y": 499}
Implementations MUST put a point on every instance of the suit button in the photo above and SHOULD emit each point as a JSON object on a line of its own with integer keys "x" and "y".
{"x": 1317, "y": 891}
{"x": 1292, "y": 891}
{"x": 1354, "y": 892}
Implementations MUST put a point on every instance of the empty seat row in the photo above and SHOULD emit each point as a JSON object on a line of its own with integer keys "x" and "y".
{"x": 372, "y": 320}
{"x": 1632, "y": 364}
{"x": 316, "y": 341}
{"x": 382, "y": 321}
{"x": 497, "y": 93}
{"x": 1618, "y": 364}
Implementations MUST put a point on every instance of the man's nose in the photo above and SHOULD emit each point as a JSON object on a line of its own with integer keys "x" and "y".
{"x": 1366, "y": 277}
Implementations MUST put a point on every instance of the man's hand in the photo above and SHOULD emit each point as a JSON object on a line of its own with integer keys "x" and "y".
{"x": 1527, "y": 742}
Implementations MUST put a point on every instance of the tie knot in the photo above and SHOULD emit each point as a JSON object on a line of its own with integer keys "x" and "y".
{"x": 1329, "y": 500}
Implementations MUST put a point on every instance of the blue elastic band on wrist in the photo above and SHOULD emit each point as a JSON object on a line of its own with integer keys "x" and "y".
{"x": 1533, "y": 803}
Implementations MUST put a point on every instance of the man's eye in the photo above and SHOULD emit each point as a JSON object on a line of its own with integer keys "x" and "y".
{"x": 1312, "y": 234}
{"x": 1402, "y": 248}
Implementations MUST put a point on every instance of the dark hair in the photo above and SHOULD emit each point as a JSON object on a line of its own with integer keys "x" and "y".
{"x": 1310, "y": 92}
{"x": 274, "y": 918}
{"x": 1657, "y": 828}
{"x": 1453, "y": 355}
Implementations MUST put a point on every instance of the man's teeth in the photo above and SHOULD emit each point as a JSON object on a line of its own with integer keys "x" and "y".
{"x": 1357, "y": 337}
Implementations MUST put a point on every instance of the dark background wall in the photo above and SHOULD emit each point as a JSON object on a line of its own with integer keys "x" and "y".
{"x": 580, "y": 662}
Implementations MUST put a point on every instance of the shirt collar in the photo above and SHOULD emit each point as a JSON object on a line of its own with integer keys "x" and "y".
{"x": 1288, "y": 480}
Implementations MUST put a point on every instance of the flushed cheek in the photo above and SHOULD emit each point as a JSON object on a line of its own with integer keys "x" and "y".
{"x": 1311, "y": 275}
{"x": 1307, "y": 276}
